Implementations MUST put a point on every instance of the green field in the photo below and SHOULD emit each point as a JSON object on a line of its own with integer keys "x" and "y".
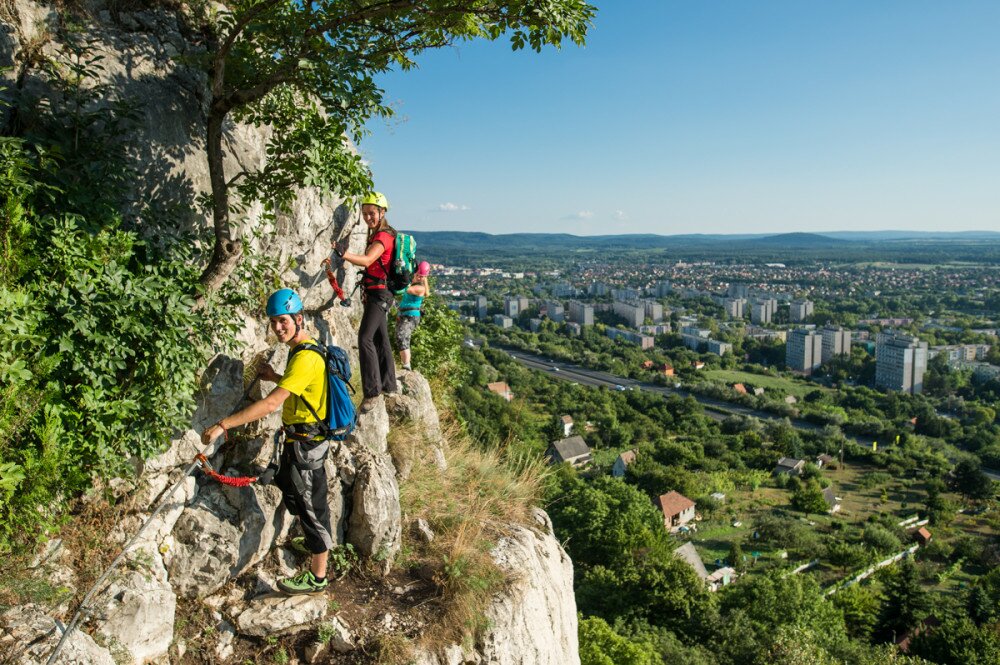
{"x": 775, "y": 383}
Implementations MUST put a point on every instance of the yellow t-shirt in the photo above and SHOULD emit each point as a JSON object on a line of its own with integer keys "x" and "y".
{"x": 305, "y": 377}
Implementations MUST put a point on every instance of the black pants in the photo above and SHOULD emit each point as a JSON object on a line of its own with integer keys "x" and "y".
{"x": 305, "y": 496}
{"x": 378, "y": 370}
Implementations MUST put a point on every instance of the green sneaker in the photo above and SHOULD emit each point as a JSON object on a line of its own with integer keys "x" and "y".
{"x": 298, "y": 545}
{"x": 304, "y": 582}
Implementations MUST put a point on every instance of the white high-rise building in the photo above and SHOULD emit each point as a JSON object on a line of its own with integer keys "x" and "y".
{"x": 804, "y": 350}
{"x": 836, "y": 342}
{"x": 734, "y": 307}
{"x": 800, "y": 310}
{"x": 633, "y": 314}
{"x": 900, "y": 362}
{"x": 581, "y": 313}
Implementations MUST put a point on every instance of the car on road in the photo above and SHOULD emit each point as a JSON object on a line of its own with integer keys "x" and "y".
{"x": 619, "y": 387}
{"x": 555, "y": 369}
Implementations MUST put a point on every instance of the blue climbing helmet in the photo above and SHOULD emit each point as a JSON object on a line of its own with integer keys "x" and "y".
{"x": 284, "y": 301}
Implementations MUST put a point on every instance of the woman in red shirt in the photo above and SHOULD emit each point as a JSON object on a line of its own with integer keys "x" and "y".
{"x": 378, "y": 370}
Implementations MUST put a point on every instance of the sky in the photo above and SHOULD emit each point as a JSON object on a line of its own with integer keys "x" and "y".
{"x": 706, "y": 116}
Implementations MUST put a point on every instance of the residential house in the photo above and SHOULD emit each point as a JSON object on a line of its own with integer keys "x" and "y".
{"x": 624, "y": 459}
{"x": 501, "y": 388}
{"x": 697, "y": 364}
{"x": 677, "y": 509}
{"x": 567, "y": 423}
{"x": 824, "y": 460}
{"x": 832, "y": 503}
{"x": 922, "y": 535}
{"x": 573, "y": 450}
{"x": 720, "y": 578}
{"x": 789, "y": 466}
{"x": 740, "y": 388}
{"x": 668, "y": 369}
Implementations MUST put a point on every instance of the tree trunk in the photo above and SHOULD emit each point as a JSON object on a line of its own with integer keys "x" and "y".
{"x": 227, "y": 250}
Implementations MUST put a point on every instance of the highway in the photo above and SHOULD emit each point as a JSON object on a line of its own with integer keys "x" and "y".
{"x": 714, "y": 408}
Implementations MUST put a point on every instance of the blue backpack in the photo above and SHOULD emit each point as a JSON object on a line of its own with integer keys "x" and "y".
{"x": 340, "y": 415}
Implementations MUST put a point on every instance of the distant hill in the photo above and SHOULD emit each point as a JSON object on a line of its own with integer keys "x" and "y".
{"x": 527, "y": 250}
{"x": 797, "y": 240}
{"x": 876, "y": 236}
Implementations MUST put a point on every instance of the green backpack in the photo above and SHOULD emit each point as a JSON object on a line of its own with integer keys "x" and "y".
{"x": 404, "y": 263}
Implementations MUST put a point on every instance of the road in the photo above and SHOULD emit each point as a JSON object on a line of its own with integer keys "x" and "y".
{"x": 714, "y": 408}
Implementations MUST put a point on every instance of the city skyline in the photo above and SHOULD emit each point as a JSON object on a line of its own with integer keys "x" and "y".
{"x": 718, "y": 118}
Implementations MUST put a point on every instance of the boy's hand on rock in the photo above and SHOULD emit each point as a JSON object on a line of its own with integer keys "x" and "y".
{"x": 267, "y": 373}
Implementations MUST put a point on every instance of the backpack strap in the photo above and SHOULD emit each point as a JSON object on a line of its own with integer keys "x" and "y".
{"x": 324, "y": 427}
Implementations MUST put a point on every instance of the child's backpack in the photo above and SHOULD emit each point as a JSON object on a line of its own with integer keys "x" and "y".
{"x": 340, "y": 415}
{"x": 404, "y": 262}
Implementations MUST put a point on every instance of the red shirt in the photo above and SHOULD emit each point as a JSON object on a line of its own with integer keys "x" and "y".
{"x": 376, "y": 272}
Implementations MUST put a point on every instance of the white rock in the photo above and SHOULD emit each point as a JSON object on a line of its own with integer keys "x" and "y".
{"x": 224, "y": 643}
{"x": 372, "y": 430}
{"x": 281, "y": 615}
{"x": 375, "y": 528}
{"x": 139, "y": 615}
{"x": 342, "y": 641}
{"x": 29, "y": 636}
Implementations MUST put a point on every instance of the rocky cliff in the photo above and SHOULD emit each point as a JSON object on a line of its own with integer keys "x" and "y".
{"x": 210, "y": 559}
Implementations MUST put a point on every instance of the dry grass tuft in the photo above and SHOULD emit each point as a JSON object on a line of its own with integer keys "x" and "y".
{"x": 469, "y": 507}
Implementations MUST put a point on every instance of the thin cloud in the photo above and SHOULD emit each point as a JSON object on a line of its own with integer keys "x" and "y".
{"x": 621, "y": 215}
{"x": 583, "y": 214}
{"x": 452, "y": 207}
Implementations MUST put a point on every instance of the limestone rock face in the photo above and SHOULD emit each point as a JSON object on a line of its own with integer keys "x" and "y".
{"x": 28, "y": 635}
{"x": 375, "y": 525}
{"x": 415, "y": 402}
{"x": 535, "y": 623}
{"x": 281, "y": 615}
{"x": 140, "y": 615}
{"x": 372, "y": 430}
{"x": 205, "y": 552}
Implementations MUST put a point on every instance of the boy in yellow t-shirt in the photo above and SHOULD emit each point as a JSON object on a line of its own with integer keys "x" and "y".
{"x": 301, "y": 475}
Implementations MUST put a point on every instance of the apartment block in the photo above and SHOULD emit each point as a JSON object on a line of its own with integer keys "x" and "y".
{"x": 762, "y": 311}
{"x": 511, "y": 306}
{"x": 804, "y": 350}
{"x": 555, "y": 311}
{"x": 503, "y": 321}
{"x": 737, "y": 290}
{"x": 719, "y": 348}
{"x": 599, "y": 289}
{"x": 663, "y": 288}
{"x": 734, "y": 307}
{"x": 836, "y": 342}
{"x": 625, "y": 295}
{"x": 644, "y": 341}
{"x": 653, "y": 310}
{"x": 800, "y": 310}
{"x": 633, "y": 314}
{"x": 581, "y": 313}
{"x": 900, "y": 362}
{"x": 481, "y": 308}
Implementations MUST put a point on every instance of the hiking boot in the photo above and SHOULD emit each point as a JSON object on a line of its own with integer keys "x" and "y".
{"x": 407, "y": 368}
{"x": 298, "y": 545}
{"x": 304, "y": 582}
{"x": 368, "y": 403}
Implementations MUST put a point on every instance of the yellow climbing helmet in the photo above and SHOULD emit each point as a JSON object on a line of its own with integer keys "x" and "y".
{"x": 377, "y": 199}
